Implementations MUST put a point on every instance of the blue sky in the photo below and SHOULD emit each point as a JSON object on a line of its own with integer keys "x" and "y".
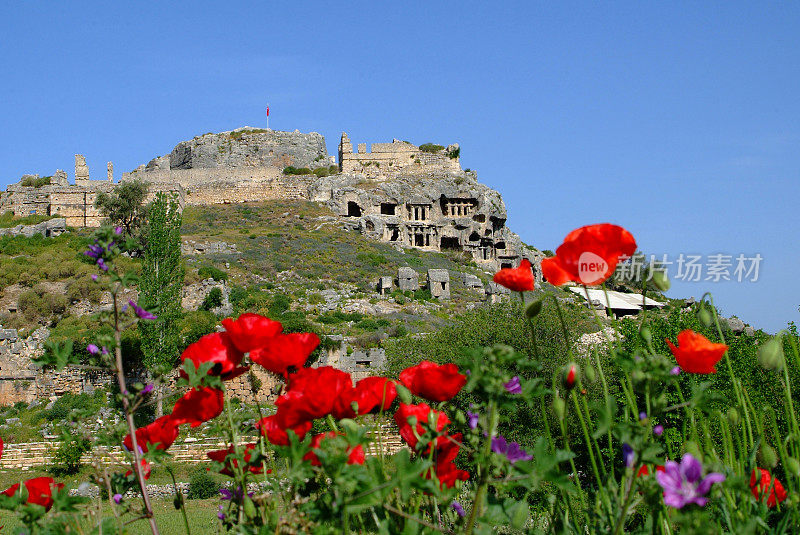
{"x": 679, "y": 121}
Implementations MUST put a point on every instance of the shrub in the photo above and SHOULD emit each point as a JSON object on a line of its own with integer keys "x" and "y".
{"x": 67, "y": 458}
{"x": 212, "y": 300}
{"x": 210, "y": 272}
{"x": 454, "y": 153}
{"x": 291, "y": 170}
{"x": 430, "y": 147}
{"x": 202, "y": 486}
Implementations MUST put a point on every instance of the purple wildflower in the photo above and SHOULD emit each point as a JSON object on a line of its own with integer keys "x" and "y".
{"x": 117, "y": 230}
{"x": 95, "y": 251}
{"x": 221, "y": 515}
{"x": 642, "y": 415}
{"x": 658, "y": 430}
{"x": 147, "y": 389}
{"x": 101, "y": 264}
{"x": 675, "y": 371}
{"x": 458, "y": 509}
{"x": 104, "y": 351}
{"x": 94, "y": 277}
{"x": 117, "y": 498}
{"x": 142, "y": 313}
{"x": 684, "y": 483}
{"x": 628, "y": 456}
{"x": 93, "y": 349}
{"x": 511, "y": 450}
{"x": 513, "y": 386}
{"x": 226, "y": 494}
{"x": 472, "y": 421}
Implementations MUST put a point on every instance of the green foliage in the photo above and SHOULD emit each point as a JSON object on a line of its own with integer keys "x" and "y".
{"x": 194, "y": 325}
{"x": 8, "y": 219}
{"x": 237, "y": 135}
{"x": 161, "y": 282}
{"x": 337, "y": 316}
{"x": 67, "y": 458}
{"x": 213, "y": 299}
{"x": 125, "y": 205}
{"x": 372, "y": 259}
{"x": 454, "y": 153}
{"x": 202, "y": 485}
{"x": 430, "y": 147}
{"x": 291, "y": 170}
{"x": 34, "y": 182}
{"x": 211, "y": 272}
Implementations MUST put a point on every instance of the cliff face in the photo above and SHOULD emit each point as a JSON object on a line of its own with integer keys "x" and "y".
{"x": 245, "y": 147}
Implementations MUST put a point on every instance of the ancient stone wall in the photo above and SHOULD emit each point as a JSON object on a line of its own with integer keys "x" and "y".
{"x": 386, "y": 159}
{"x": 48, "y": 229}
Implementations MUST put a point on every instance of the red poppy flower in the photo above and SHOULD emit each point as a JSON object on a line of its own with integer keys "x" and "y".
{"x": 163, "y": 432}
{"x": 221, "y": 457}
{"x": 422, "y": 412}
{"x": 589, "y": 255}
{"x": 433, "y": 381}
{"x": 40, "y": 491}
{"x": 355, "y": 455}
{"x": 696, "y": 353}
{"x": 283, "y": 351}
{"x": 371, "y": 394}
{"x": 518, "y": 279}
{"x": 251, "y": 331}
{"x": 313, "y": 393}
{"x": 1, "y": 448}
{"x": 448, "y": 473}
{"x": 759, "y": 486}
{"x": 272, "y": 428}
{"x": 198, "y": 406}
{"x": 219, "y": 349}
{"x": 570, "y": 376}
{"x": 146, "y": 469}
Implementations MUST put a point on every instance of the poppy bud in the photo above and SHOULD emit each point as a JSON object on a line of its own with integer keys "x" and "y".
{"x": 589, "y": 373}
{"x": 571, "y": 376}
{"x": 770, "y": 354}
{"x": 705, "y": 316}
{"x": 767, "y": 456}
{"x": 646, "y": 335}
{"x": 559, "y": 407}
{"x": 733, "y": 416}
{"x": 793, "y": 466}
{"x": 661, "y": 281}
{"x": 403, "y": 393}
{"x": 249, "y": 507}
{"x": 533, "y": 309}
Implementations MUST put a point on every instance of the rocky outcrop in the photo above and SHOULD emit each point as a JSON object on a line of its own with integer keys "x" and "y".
{"x": 49, "y": 228}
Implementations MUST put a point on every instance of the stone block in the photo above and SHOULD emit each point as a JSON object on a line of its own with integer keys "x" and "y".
{"x": 407, "y": 279}
{"x": 439, "y": 283}
{"x": 385, "y": 285}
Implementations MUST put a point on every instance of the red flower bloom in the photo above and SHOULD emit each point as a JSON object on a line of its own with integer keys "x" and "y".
{"x": 355, "y": 455}
{"x": 448, "y": 474}
{"x": 570, "y": 376}
{"x": 422, "y": 412}
{"x": 145, "y": 470}
{"x": 696, "y": 353}
{"x": 433, "y": 381}
{"x": 1, "y": 448}
{"x": 221, "y": 457}
{"x": 198, "y": 406}
{"x": 516, "y": 279}
{"x": 163, "y": 431}
{"x": 313, "y": 393}
{"x": 759, "y": 486}
{"x": 275, "y": 432}
{"x": 251, "y": 331}
{"x": 40, "y": 491}
{"x": 219, "y": 349}
{"x": 589, "y": 255}
{"x": 371, "y": 394}
{"x": 283, "y": 351}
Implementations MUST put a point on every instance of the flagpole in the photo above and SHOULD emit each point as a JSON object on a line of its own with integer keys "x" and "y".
{"x": 267, "y": 116}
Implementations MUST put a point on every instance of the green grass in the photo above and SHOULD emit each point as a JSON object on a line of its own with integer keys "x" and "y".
{"x": 8, "y": 220}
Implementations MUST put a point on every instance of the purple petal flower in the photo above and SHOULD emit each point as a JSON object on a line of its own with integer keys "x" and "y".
{"x": 512, "y": 451}
{"x": 117, "y": 498}
{"x": 675, "y": 371}
{"x": 94, "y": 277}
{"x": 658, "y": 430}
{"x": 104, "y": 351}
{"x": 513, "y": 386}
{"x": 142, "y": 313}
{"x": 226, "y": 494}
{"x": 101, "y": 264}
{"x": 147, "y": 389}
{"x": 642, "y": 415}
{"x": 628, "y": 456}
{"x": 93, "y": 349}
{"x": 221, "y": 515}
{"x": 117, "y": 230}
{"x": 472, "y": 419}
{"x": 458, "y": 509}
{"x": 684, "y": 483}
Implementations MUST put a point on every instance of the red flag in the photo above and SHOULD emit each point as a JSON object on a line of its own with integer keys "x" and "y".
{"x": 267, "y": 111}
